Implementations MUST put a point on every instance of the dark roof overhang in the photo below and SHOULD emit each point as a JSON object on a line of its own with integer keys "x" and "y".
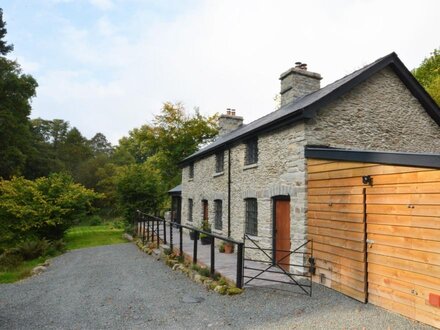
{"x": 176, "y": 191}
{"x": 379, "y": 157}
{"x": 307, "y": 106}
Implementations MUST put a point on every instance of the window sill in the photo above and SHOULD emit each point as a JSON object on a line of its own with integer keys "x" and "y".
{"x": 253, "y": 237}
{"x": 218, "y": 174}
{"x": 218, "y": 231}
{"x": 191, "y": 179}
{"x": 248, "y": 167}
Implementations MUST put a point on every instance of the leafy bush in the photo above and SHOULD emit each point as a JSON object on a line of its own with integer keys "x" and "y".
{"x": 95, "y": 220}
{"x": 56, "y": 247}
{"x": 9, "y": 260}
{"x": 139, "y": 187}
{"x": 32, "y": 249}
{"x": 41, "y": 209}
{"x": 204, "y": 272}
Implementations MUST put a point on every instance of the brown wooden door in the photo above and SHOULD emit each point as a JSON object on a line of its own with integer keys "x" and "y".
{"x": 205, "y": 210}
{"x": 282, "y": 233}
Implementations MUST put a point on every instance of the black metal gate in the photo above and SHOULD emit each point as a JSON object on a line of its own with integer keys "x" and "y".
{"x": 261, "y": 268}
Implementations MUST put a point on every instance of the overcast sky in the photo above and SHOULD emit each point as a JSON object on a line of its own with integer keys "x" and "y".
{"x": 108, "y": 65}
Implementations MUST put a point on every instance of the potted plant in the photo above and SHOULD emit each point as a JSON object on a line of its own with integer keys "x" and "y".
{"x": 229, "y": 247}
{"x": 221, "y": 247}
{"x": 192, "y": 234}
{"x": 204, "y": 238}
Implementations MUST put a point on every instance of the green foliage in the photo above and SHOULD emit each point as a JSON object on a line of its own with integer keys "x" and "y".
{"x": 32, "y": 249}
{"x": 428, "y": 74}
{"x": 173, "y": 136}
{"x": 10, "y": 260}
{"x": 44, "y": 208}
{"x": 204, "y": 272}
{"x": 139, "y": 187}
{"x": 4, "y": 47}
{"x": 95, "y": 220}
{"x": 16, "y": 91}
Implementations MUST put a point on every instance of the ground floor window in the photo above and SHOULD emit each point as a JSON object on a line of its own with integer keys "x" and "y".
{"x": 218, "y": 221}
{"x": 251, "y": 216}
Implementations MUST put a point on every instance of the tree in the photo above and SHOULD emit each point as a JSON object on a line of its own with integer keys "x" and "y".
{"x": 16, "y": 92}
{"x": 428, "y": 74}
{"x": 139, "y": 187}
{"x": 74, "y": 150}
{"x": 100, "y": 145}
{"x": 173, "y": 136}
{"x": 4, "y": 48}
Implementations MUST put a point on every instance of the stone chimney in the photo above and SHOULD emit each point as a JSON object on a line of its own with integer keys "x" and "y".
{"x": 229, "y": 122}
{"x": 297, "y": 82}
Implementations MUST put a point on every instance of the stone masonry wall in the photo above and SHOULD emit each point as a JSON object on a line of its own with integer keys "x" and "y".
{"x": 280, "y": 171}
{"x": 380, "y": 114}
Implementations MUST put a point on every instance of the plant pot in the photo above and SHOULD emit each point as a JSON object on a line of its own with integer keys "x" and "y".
{"x": 192, "y": 235}
{"x": 205, "y": 240}
{"x": 229, "y": 248}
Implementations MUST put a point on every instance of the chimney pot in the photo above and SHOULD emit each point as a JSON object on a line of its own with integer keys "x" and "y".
{"x": 229, "y": 122}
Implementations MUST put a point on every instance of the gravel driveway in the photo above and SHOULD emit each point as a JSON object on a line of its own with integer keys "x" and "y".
{"x": 118, "y": 287}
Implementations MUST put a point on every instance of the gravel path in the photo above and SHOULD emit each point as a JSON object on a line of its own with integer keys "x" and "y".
{"x": 119, "y": 287}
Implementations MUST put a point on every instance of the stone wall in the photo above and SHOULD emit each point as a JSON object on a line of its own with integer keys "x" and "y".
{"x": 280, "y": 171}
{"x": 380, "y": 114}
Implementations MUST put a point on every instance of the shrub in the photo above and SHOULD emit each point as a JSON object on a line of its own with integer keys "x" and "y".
{"x": 195, "y": 267}
{"x": 95, "y": 220}
{"x": 9, "y": 260}
{"x": 204, "y": 272}
{"x": 43, "y": 208}
{"x": 32, "y": 249}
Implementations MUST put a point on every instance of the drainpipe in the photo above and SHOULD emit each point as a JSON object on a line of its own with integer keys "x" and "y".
{"x": 229, "y": 192}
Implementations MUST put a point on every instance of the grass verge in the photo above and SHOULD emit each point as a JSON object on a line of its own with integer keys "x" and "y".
{"x": 20, "y": 272}
{"x": 89, "y": 236}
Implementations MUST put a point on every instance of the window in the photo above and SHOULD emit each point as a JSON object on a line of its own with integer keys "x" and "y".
{"x": 190, "y": 209}
{"x": 251, "y": 156}
{"x": 191, "y": 170}
{"x": 219, "y": 161}
{"x": 218, "y": 222}
{"x": 251, "y": 216}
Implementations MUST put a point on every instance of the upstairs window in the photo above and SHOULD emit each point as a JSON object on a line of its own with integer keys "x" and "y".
{"x": 191, "y": 170}
{"x": 251, "y": 156}
{"x": 218, "y": 221}
{"x": 251, "y": 226}
{"x": 219, "y": 162}
{"x": 190, "y": 210}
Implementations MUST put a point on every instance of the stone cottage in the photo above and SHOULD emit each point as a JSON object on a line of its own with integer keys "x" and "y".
{"x": 253, "y": 178}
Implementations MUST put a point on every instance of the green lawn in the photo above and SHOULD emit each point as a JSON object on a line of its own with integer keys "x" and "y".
{"x": 22, "y": 271}
{"x": 76, "y": 238}
{"x": 88, "y": 236}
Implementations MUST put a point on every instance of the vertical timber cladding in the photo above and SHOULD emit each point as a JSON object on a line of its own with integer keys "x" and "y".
{"x": 399, "y": 267}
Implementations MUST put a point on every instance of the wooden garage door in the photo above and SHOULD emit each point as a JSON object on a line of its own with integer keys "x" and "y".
{"x": 401, "y": 211}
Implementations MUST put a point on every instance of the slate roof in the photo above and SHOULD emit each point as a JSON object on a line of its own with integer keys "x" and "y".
{"x": 176, "y": 190}
{"x": 306, "y": 106}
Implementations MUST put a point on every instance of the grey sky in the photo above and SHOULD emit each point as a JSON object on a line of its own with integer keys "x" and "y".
{"x": 108, "y": 65}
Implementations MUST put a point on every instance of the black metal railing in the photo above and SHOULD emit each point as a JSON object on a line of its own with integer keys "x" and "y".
{"x": 154, "y": 229}
{"x": 298, "y": 274}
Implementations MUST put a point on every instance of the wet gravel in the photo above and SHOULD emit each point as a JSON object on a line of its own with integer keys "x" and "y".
{"x": 119, "y": 287}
